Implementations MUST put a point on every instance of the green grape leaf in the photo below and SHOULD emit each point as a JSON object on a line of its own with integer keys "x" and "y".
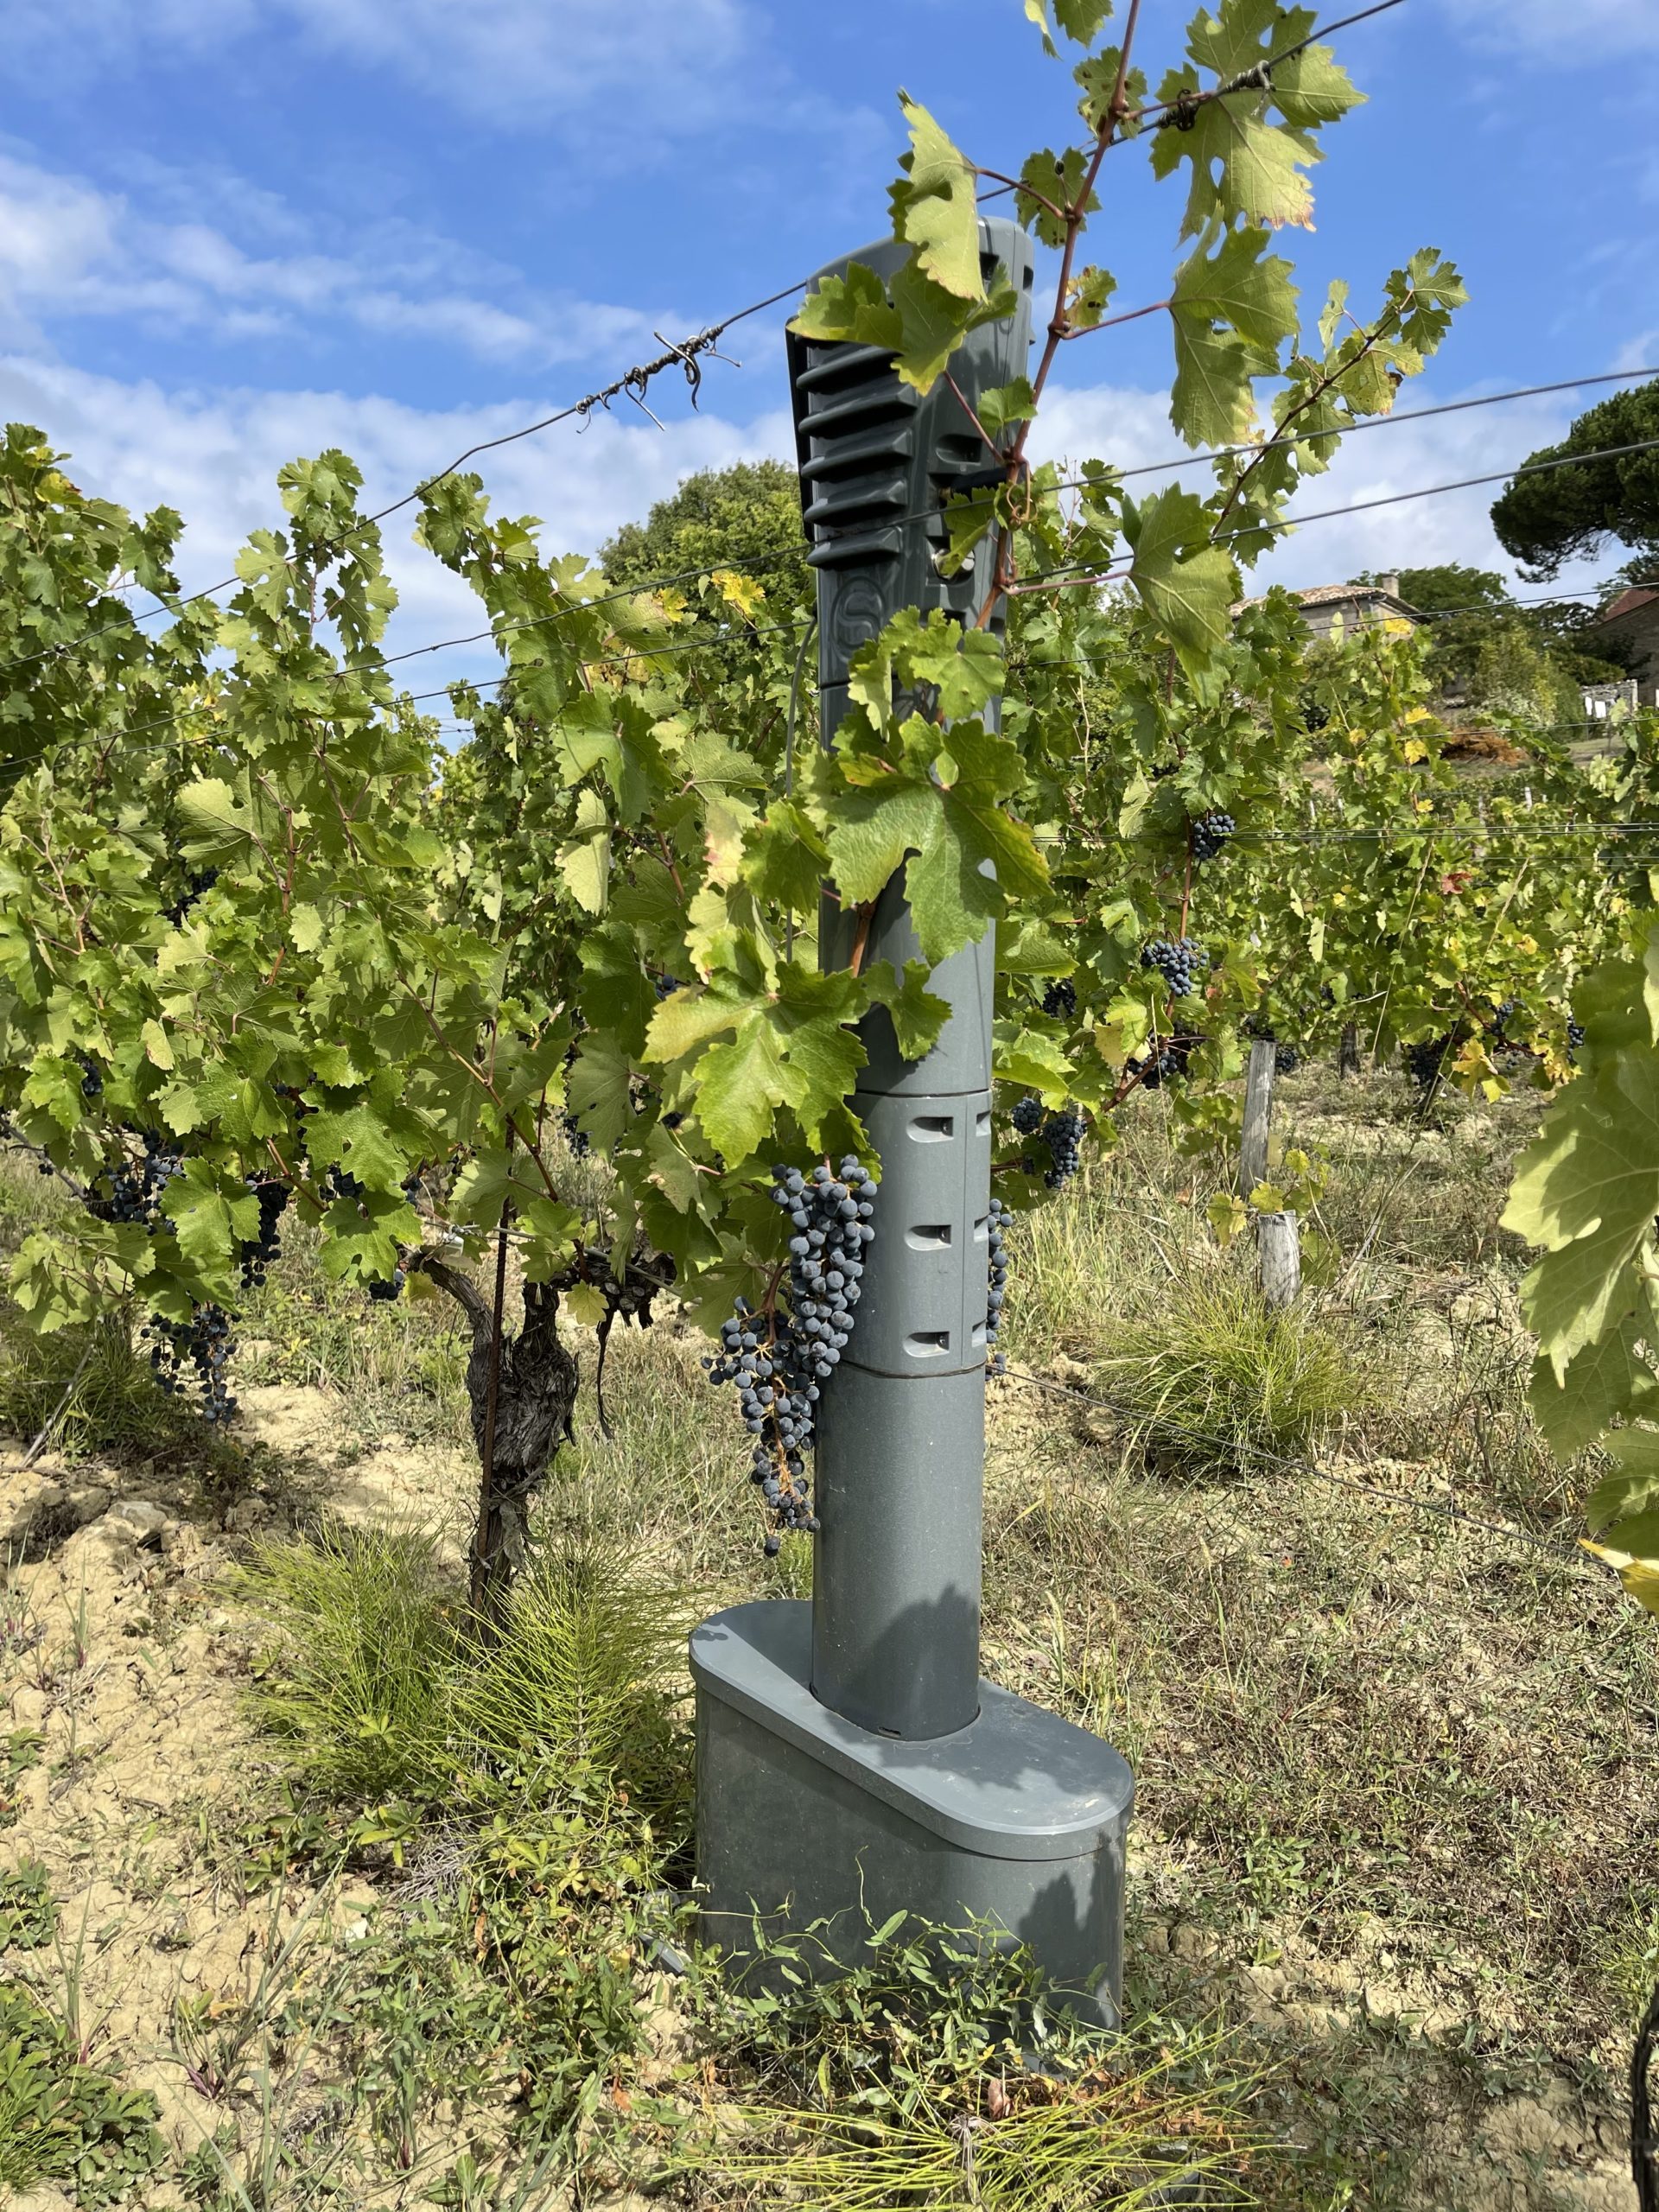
{"x": 737, "y": 1087}
{"x": 360, "y": 1235}
{"x": 586, "y": 1304}
{"x": 1588, "y": 1190}
{"x": 871, "y": 831}
{"x": 1034, "y": 1061}
{"x": 1088, "y": 296}
{"x": 932, "y": 322}
{"x": 1211, "y": 402}
{"x": 784, "y": 858}
{"x": 1311, "y": 87}
{"x": 1633, "y": 1489}
{"x": 975, "y": 857}
{"x": 917, "y": 1014}
{"x": 853, "y": 308}
{"x": 584, "y": 863}
{"x": 935, "y": 207}
{"x": 1235, "y": 286}
{"x": 211, "y": 1214}
{"x": 1051, "y": 183}
{"x": 1190, "y": 596}
{"x": 1004, "y": 404}
{"x": 1608, "y": 1377}
{"x": 596, "y": 1093}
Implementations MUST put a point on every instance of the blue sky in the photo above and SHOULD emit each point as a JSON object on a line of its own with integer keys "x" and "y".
{"x": 235, "y": 229}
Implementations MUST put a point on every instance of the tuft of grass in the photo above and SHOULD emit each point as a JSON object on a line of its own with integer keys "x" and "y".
{"x": 578, "y": 1672}
{"x": 355, "y": 1678}
{"x": 1211, "y": 1379}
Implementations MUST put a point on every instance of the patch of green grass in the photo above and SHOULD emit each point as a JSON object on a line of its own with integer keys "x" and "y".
{"x": 1210, "y": 1379}
{"x": 113, "y": 1403}
{"x": 353, "y": 1678}
{"x": 578, "y": 1674}
{"x": 379, "y": 1692}
{"x": 63, "y": 2120}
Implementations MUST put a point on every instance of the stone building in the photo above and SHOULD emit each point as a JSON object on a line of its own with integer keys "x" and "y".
{"x": 1632, "y": 621}
{"x": 1354, "y": 607}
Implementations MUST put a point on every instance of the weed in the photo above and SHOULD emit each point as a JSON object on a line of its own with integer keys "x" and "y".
{"x": 19, "y": 1752}
{"x": 906, "y": 2079}
{"x": 61, "y": 2119}
{"x": 29, "y": 1918}
{"x": 577, "y": 1676}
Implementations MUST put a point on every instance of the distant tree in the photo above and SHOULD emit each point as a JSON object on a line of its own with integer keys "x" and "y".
{"x": 1563, "y": 514}
{"x": 1451, "y": 585}
{"x": 748, "y": 515}
{"x": 1499, "y": 655}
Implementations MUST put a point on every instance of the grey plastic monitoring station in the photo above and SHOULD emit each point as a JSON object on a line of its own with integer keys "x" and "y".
{"x": 850, "y": 1760}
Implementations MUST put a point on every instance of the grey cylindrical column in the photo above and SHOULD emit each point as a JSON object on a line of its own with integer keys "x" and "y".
{"x": 901, "y": 1434}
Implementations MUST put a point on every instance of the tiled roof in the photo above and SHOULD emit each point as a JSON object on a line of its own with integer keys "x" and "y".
{"x": 1341, "y": 595}
{"x": 1627, "y": 602}
{"x": 1329, "y": 594}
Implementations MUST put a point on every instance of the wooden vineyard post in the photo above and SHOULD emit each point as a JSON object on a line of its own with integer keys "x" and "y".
{"x": 1278, "y": 1239}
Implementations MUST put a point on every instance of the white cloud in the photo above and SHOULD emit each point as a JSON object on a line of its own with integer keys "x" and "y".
{"x": 68, "y": 249}
{"x": 213, "y": 456}
{"x": 1589, "y": 31}
{"x": 612, "y": 71}
{"x": 1130, "y": 428}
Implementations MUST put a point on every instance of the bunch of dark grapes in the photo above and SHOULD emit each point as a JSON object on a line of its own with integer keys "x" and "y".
{"x": 1062, "y": 1132}
{"x": 261, "y": 1251}
{"x": 136, "y": 1184}
{"x": 779, "y": 1360}
{"x": 1503, "y": 1014}
{"x": 1210, "y": 833}
{"x": 1063, "y": 1135}
{"x": 198, "y": 885}
{"x": 1575, "y": 1038}
{"x": 1178, "y": 961}
{"x": 1426, "y": 1061}
{"x": 1168, "y": 1058}
{"x": 204, "y": 1341}
{"x": 996, "y": 1291}
{"x": 92, "y": 1079}
{"x": 390, "y": 1286}
{"x": 666, "y": 986}
{"x": 1060, "y": 999}
{"x": 1286, "y": 1059}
